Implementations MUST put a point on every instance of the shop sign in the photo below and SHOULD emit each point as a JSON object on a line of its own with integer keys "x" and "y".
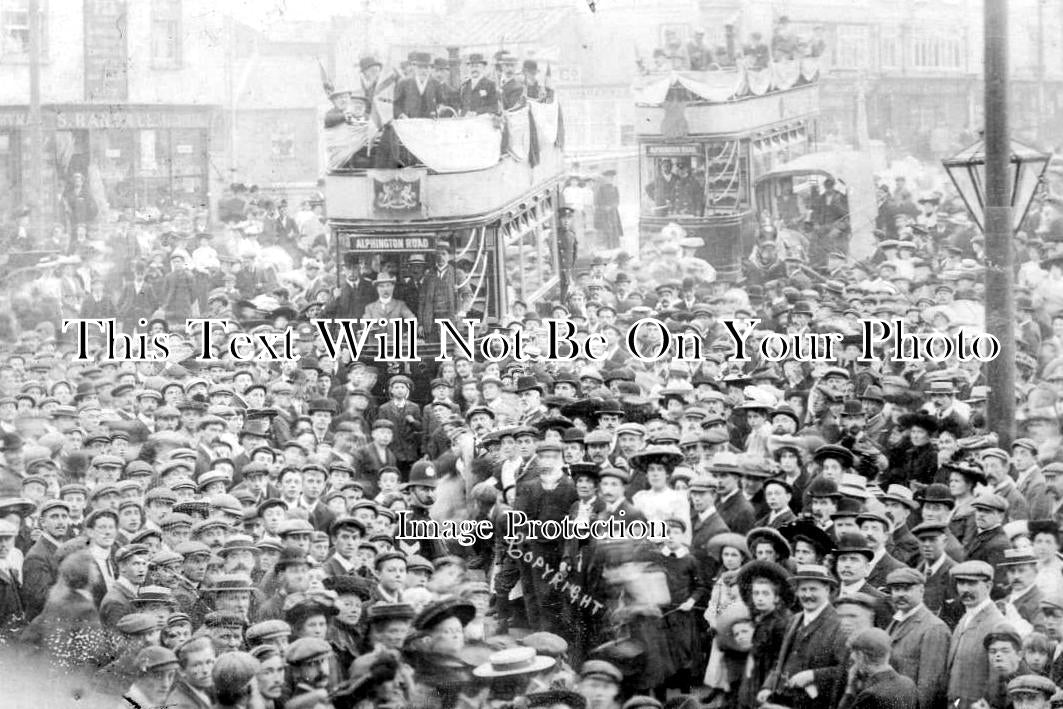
{"x": 14, "y": 120}
{"x": 125, "y": 117}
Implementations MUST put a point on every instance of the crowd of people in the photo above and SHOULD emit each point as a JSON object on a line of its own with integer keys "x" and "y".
{"x": 217, "y": 533}
{"x": 756, "y": 53}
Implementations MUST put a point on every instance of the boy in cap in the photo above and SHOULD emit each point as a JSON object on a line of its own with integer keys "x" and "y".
{"x": 406, "y": 420}
{"x": 599, "y": 684}
{"x": 194, "y": 686}
{"x": 233, "y": 678}
{"x": 1031, "y": 691}
{"x": 132, "y": 561}
{"x": 157, "y": 668}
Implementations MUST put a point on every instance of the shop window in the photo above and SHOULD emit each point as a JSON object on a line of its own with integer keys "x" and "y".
{"x": 114, "y": 155}
{"x": 188, "y": 157}
{"x": 166, "y": 31}
{"x": 15, "y": 29}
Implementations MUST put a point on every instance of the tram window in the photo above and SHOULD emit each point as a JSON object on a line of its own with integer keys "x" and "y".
{"x": 674, "y": 186}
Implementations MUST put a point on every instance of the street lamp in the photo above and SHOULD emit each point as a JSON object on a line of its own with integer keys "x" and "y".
{"x": 1026, "y": 168}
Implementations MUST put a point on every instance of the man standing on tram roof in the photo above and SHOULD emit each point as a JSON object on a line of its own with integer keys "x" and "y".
{"x": 449, "y": 95}
{"x": 479, "y": 94}
{"x": 418, "y": 96}
{"x": 512, "y": 82}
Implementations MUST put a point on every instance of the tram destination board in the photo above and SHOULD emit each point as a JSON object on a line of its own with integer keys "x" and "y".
{"x": 408, "y": 243}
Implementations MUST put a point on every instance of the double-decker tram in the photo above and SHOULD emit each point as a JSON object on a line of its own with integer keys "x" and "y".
{"x": 706, "y": 137}
{"x": 485, "y": 188}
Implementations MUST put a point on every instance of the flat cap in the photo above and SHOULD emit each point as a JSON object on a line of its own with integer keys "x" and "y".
{"x": 191, "y": 548}
{"x": 546, "y": 644}
{"x": 154, "y": 594}
{"x": 154, "y": 658}
{"x": 224, "y": 619}
{"x": 972, "y": 570}
{"x": 990, "y": 501}
{"x": 600, "y": 669}
{"x": 859, "y": 599}
{"x": 233, "y": 671}
{"x": 871, "y": 640}
{"x": 905, "y": 576}
{"x": 382, "y": 612}
{"x": 133, "y": 623}
{"x": 131, "y": 550}
{"x": 1031, "y": 684}
{"x": 305, "y": 649}
{"x": 267, "y": 629}
{"x": 927, "y": 528}
{"x": 1003, "y": 631}
{"x": 555, "y": 697}
{"x": 165, "y": 557}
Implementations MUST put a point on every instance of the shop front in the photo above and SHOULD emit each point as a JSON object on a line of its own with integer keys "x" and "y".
{"x": 134, "y": 158}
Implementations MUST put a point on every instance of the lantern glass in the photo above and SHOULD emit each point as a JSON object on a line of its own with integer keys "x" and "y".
{"x": 1026, "y": 167}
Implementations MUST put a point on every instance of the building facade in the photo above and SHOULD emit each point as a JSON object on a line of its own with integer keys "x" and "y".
{"x": 157, "y": 103}
{"x": 917, "y": 66}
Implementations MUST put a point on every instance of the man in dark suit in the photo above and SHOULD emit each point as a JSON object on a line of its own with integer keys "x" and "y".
{"x": 513, "y": 95}
{"x": 920, "y": 641}
{"x": 441, "y": 298}
{"x": 706, "y": 524}
{"x": 968, "y": 663}
{"x": 138, "y": 297}
{"x": 418, "y": 96}
{"x": 611, "y": 484}
{"x": 989, "y": 543}
{"x": 874, "y": 683}
{"x": 314, "y": 477}
{"x": 406, "y": 422}
{"x": 853, "y": 563}
{"x": 735, "y": 510}
{"x": 1020, "y": 567}
{"x": 940, "y": 595}
{"x": 450, "y": 96}
{"x": 479, "y": 94}
{"x": 346, "y": 533}
{"x": 356, "y": 291}
{"x": 937, "y": 506}
{"x": 900, "y": 503}
{"x": 40, "y": 568}
{"x": 876, "y": 528}
{"x": 547, "y": 497}
{"x": 813, "y": 641}
{"x": 132, "y": 563}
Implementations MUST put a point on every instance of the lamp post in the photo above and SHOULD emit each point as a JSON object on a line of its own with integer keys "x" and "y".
{"x": 997, "y": 178}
